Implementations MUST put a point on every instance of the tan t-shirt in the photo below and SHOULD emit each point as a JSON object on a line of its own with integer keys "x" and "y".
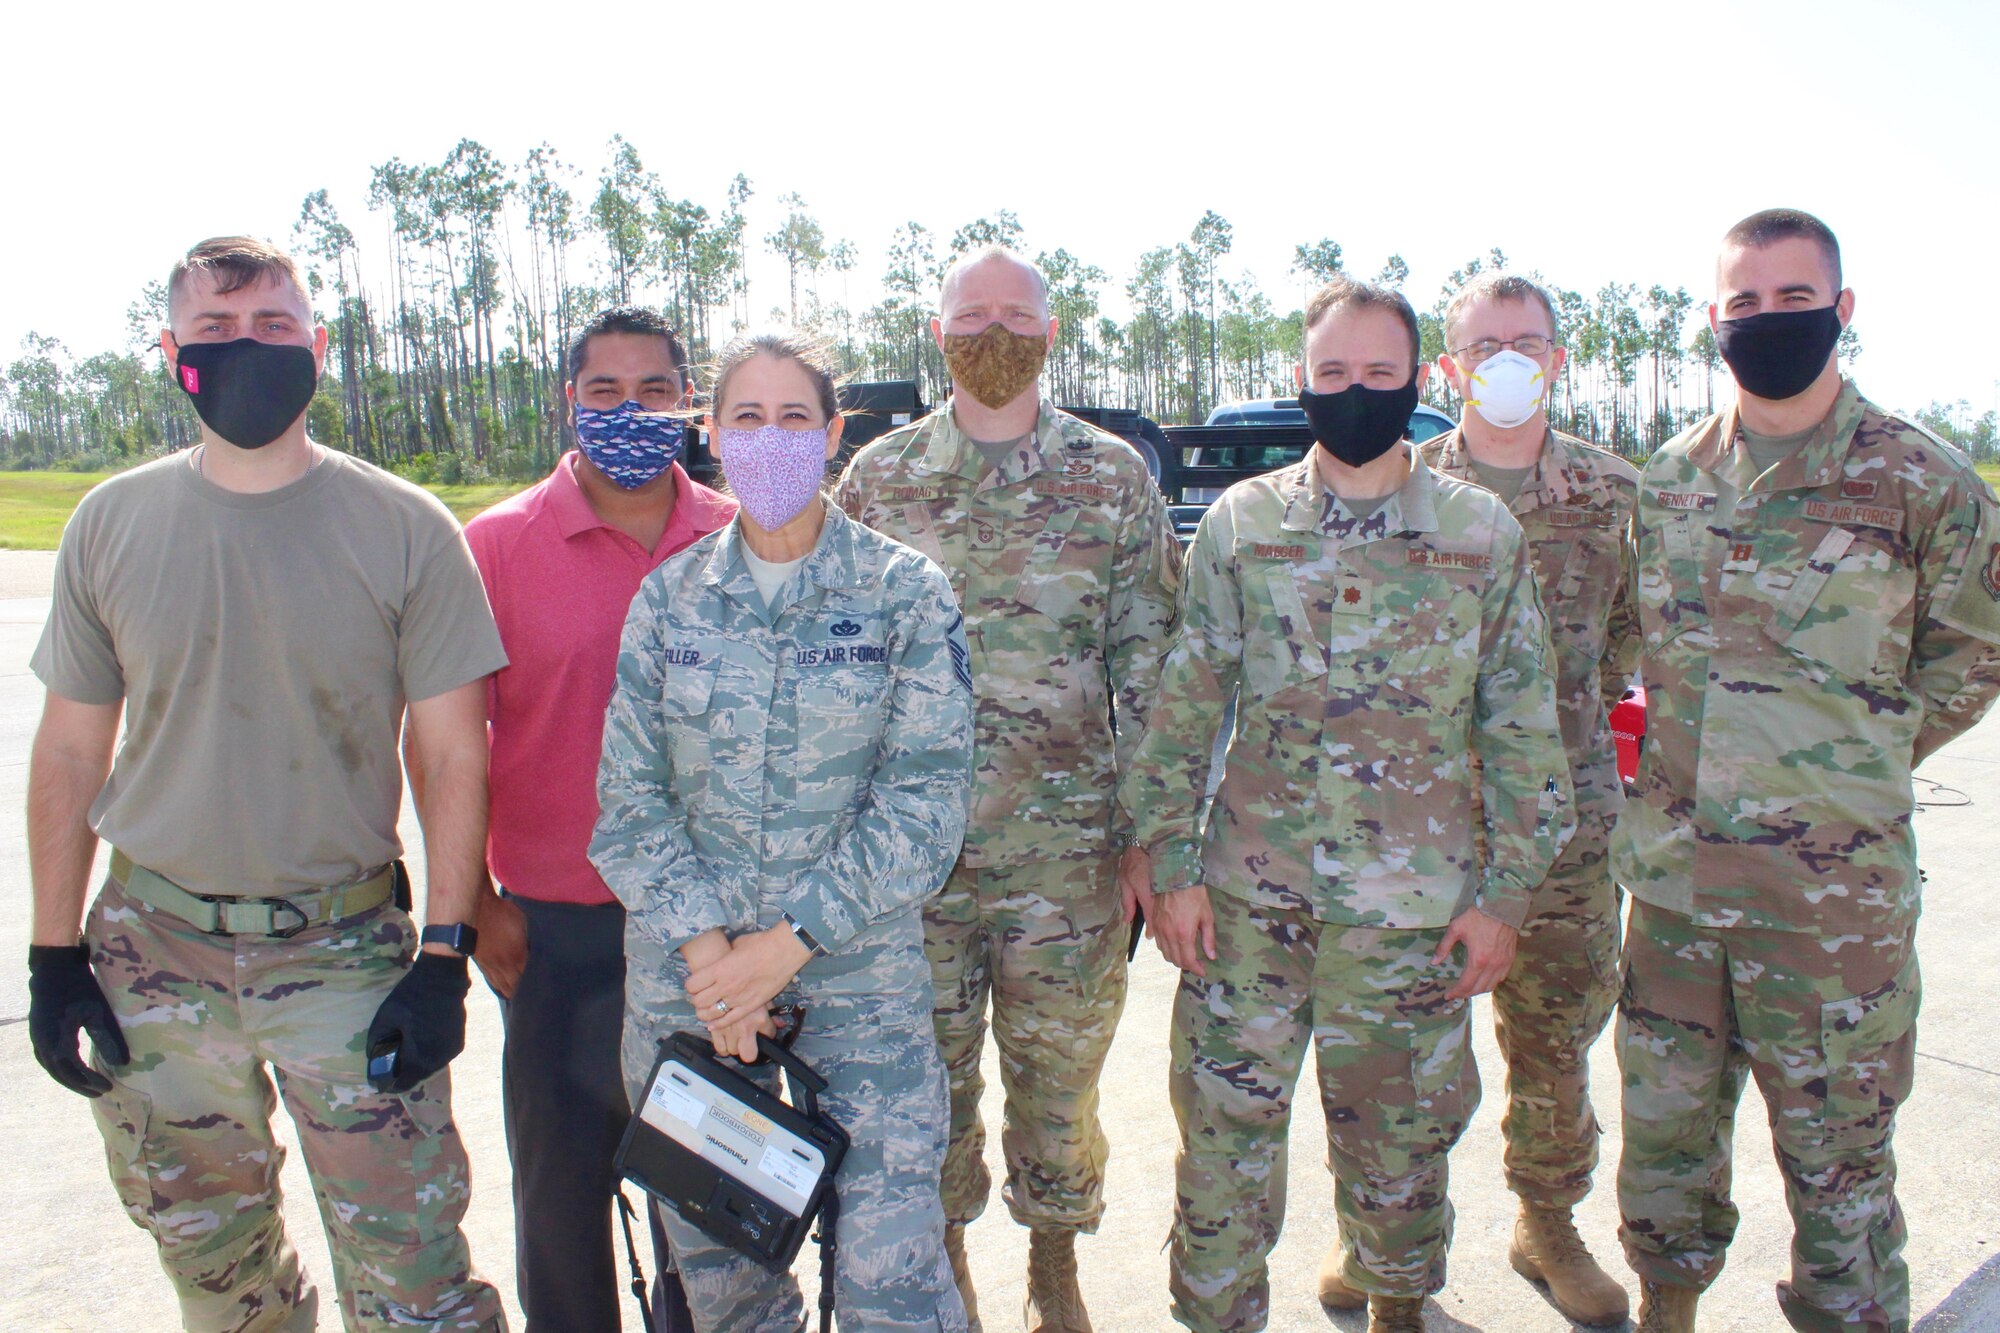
{"x": 265, "y": 646}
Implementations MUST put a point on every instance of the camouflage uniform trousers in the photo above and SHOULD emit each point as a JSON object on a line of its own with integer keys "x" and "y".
{"x": 187, "y": 1124}
{"x": 1547, "y": 1013}
{"x": 1044, "y": 942}
{"x": 1397, "y": 1083}
{"x": 885, "y": 1087}
{"x": 1828, "y": 1027}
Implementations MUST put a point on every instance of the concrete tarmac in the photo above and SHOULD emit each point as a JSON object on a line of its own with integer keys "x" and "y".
{"x": 72, "y": 1261}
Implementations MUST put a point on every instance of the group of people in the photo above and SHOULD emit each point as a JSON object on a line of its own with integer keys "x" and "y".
{"x": 865, "y": 758}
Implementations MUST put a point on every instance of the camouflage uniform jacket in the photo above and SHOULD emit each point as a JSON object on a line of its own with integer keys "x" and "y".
{"x": 1377, "y": 661}
{"x": 1811, "y": 634}
{"x": 814, "y": 761}
{"x": 1066, "y": 564}
{"x": 1576, "y": 510}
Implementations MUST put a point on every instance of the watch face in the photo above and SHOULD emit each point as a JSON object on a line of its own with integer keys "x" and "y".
{"x": 461, "y": 937}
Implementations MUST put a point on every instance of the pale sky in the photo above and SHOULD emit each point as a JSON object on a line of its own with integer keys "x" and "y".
{"x": 1594, "y": 142}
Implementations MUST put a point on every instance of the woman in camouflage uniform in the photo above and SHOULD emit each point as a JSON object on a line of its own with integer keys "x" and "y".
{"x": 786, "y": 757}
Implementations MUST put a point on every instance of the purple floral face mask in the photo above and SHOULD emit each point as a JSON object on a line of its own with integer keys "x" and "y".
{"x": 773, "y": 472}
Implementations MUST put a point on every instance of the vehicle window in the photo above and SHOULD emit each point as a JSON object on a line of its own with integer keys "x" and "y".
{"x": 1424, "y": 426}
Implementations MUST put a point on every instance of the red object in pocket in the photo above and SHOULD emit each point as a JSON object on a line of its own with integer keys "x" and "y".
{"x": 1628, "y": 731}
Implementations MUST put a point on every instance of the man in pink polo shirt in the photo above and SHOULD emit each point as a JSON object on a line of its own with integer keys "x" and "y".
{"x": 562, "y": 561}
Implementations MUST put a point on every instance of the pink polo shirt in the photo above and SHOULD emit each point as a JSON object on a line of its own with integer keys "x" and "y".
{"x": 561, "y": 580}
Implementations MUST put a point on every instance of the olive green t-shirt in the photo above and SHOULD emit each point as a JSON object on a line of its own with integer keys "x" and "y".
{"x": 1505, "y": 482}
{"x": 264, "y": 647}
{"x": 1767, "y": 450}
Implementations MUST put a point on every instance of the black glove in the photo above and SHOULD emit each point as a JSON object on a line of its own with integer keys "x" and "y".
{"x": 421, "y": 1024}
{"x": 63, "y": 998}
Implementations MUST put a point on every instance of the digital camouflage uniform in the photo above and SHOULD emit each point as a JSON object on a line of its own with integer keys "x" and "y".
{"x": 1389, "y": 670}
{"x": 811, "y": 761}
{"x": 1576, "y": 510}
{"x": 1811, "y": 635}
{"x": 1066, "y": 565}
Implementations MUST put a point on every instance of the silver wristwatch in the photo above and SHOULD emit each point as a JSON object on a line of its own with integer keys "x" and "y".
{"x": 804, "y": 936}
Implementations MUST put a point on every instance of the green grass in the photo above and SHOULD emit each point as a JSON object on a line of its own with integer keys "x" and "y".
{"x": 1990, "y": 471}
{"x": 35, "y": 505}
{"x": 476, "y": 497}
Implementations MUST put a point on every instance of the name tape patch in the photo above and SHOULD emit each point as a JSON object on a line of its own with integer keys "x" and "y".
{"x": 1578, "y": 518}
{"x": 1867, "y": 516}
{"x": 1451, "y": 559}
{"x": 1684, "y": 500}
{"x": 1087, "y": 490}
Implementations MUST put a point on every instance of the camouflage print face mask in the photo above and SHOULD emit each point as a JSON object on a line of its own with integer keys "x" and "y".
{"x": 995, "y": 365}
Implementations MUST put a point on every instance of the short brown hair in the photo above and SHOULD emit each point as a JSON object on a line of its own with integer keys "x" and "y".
{"x": 811, "y": 353}
{"x": 233, "y": 263}
{"x": 1344, "y": 293}
{"x": 1498, "y": 286}
{"x": 1767, "y": 228}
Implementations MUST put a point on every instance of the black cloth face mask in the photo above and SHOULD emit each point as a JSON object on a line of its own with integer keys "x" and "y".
{"x": 248, "y": 392}
{"x": 1359, "y": 424}
{"x": 1777, "y": 355}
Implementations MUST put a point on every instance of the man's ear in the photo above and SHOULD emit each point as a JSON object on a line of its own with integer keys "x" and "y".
{"x": 1298, "y": 377}
{"x": 1843, "y": 306}
{"x": 1452, "y": 376}
{"x": 319, "y": 349}
{"x": 1423, "y": 373}
{"x": 937, "y": 332}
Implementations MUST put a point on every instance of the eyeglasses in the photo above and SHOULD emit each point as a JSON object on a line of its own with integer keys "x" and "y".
{"x": 1530, "y": 344}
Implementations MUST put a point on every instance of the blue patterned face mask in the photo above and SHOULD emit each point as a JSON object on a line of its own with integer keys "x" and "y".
{"x": 629, "y": 444}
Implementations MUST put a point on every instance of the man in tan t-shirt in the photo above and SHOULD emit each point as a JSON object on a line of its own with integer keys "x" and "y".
{"x": 262, "y": 610}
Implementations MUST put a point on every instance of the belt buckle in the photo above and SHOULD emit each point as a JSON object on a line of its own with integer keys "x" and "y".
{"x": 285, "y": 904}
{"x": 223, "y": 902}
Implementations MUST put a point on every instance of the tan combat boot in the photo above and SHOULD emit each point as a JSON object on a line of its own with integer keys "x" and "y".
{"x": 1054, "y": 1305}
{"x": 1334, "y": 1293}
{"x": 961, "y": 1272}
{"x": 1666, "y": 1309}
{"x": 1395, "y": 1314}
{"x": 1547, "y": 1249}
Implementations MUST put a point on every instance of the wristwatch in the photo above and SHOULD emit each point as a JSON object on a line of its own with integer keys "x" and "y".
{"x": 804, "y": 936}
{"x": 461, "y": 937}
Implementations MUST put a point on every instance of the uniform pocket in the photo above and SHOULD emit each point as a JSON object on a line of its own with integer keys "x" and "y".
{"x": 1280, "y": 649}
{"x": 1869, "y": 1045}
{"x": 1588, "y": 582}
{"x": 1845, "y": 608}
{"x": 1670, "y": 596}
{"x": 842, "y": 717}
{"x": 124, "y": 1117}
{"x": 686, "y": 697}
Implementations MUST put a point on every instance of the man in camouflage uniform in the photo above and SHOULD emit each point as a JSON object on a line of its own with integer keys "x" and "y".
{"x": 260, "y": 609}
{"x": 1819, "y": 592}
{"x": 1574, "y": 502}
{"x": 1060, "y": 550}
{"x": 1379, "y": 625}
